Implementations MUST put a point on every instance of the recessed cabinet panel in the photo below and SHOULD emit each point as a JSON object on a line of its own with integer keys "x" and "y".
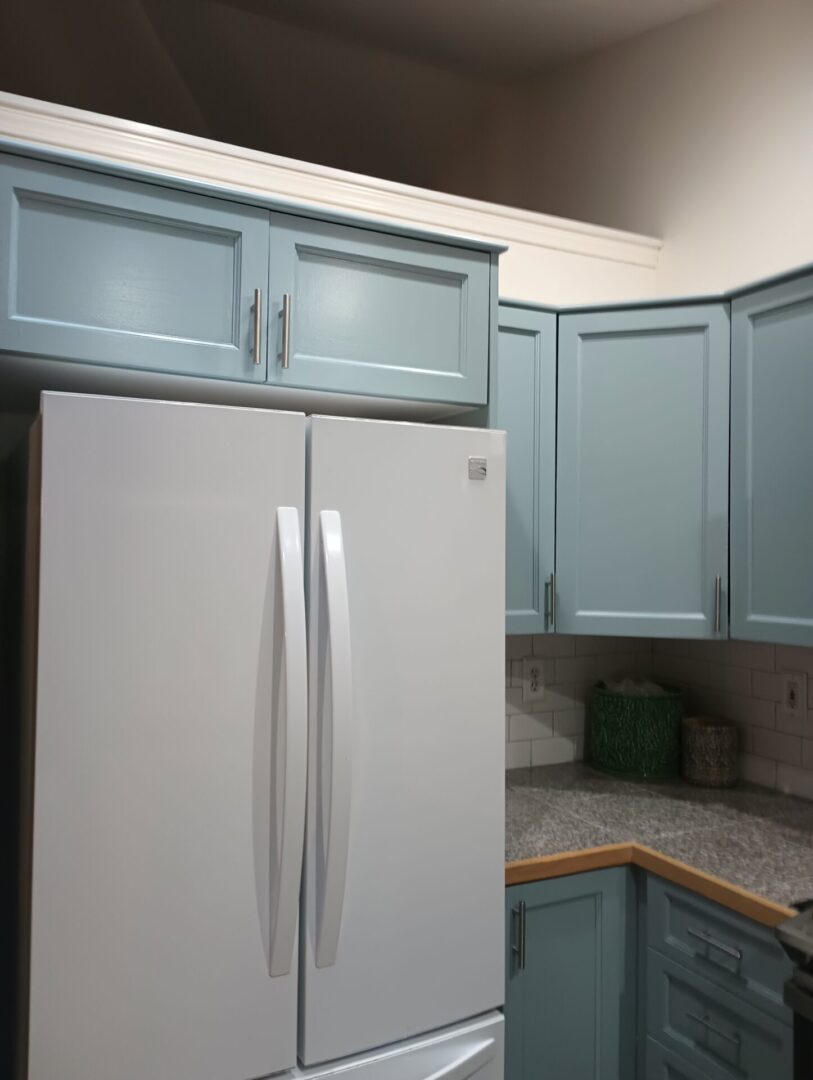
{"x": 372, "y": 313}
{"x": 771, "y": 462}
{"x": 523, "y": 403}
{"x": 109, "y": 271}
{"x": 570, "y": 998}
{"x": 642, "y": 487}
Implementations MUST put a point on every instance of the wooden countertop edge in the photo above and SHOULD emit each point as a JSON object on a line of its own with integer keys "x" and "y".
{"x": 722, "y": 892}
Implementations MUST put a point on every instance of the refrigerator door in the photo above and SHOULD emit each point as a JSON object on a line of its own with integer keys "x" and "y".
{"x": 170, "y": 752}
{"x": 470, "y": 1051}
{"x": 404, "y": 869}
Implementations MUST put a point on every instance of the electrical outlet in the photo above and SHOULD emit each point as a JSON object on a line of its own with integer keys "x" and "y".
{"x": 533, "y": 683}
{"x": 794, "y": 693}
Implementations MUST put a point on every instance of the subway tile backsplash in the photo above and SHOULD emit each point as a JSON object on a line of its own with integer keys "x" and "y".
{"x": 551, "y": 730}
{"x": 739, "y": 680}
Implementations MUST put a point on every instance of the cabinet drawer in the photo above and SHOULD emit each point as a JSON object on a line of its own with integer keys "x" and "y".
{"x": 371, "y": 313}
{"x": 712, "y": 1029}
{"x": 734, "y": 952}
{"x": 663, "y": 1064}
{"x": 109, "y": 271}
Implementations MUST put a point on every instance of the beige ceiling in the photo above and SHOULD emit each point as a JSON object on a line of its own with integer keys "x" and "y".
{"x": 492, "y": 38}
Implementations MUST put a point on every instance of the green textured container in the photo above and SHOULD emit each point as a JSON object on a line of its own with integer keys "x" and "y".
{"x": 636, "y": 737}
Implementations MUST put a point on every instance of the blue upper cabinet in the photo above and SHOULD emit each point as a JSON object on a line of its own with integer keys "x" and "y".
{"x": 523, "y": 402}
{"x": 642, "y": 487}
{"x": 109, "y": 271}
{"x": 771, "y": 464}
{"x": 363, "y": 312}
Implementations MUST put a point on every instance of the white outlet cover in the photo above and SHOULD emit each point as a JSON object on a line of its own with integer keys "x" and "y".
{"x": 533, "y": 678}
{"x": 794, "y": 693}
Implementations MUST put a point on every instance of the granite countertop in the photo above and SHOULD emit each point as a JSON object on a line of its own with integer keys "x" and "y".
{"x": 752, "y": 837}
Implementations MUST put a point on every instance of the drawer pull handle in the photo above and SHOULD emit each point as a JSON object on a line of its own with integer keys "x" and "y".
{"x": 550, "y": 602}
{"x": 257, "y": 308}
{"x": 713, "y": 943}
{"x": 712, "y": 1029}
{"x": 285, "y": 316}
{"x": 518, "y": 946}
{"x": 718, "y": 588}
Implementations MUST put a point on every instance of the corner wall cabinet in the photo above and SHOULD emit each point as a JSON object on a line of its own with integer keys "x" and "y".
{"x": 617, "y": 973}
{"x": 104, "y": 270}
{"x": 771, "y": 462}
{"x": 523, "y": 402}
{"x": 642, "y": 472}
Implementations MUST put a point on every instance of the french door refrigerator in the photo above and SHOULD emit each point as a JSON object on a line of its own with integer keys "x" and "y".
{"x": 266, "y": 753}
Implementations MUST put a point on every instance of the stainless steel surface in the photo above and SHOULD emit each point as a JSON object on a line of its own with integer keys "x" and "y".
{"x": 718, "y": 586}
{"x": 713, "y": 943}
{"x": 258, "y": 325}
{"x": 518, "y": 944}
{"x": 478, "y": 468}
{"x": 285, "y": 315}
{"x": 552, "y": 581}
{"x": 712, "y": 1029}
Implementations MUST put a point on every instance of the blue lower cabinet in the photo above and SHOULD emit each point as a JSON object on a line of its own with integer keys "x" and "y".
{"x": 102, "y": 270}
{"x": 642, "y": 480}
{"x": 570, "y": 996}
{"x": 615, "y": 973}
{"x": 771, "y": 455}
{"x": 523, "y": 403}
{"x": 717, "y": 1032}
{"x": 663, "y": 1064}
{"x": 358, "y": 311}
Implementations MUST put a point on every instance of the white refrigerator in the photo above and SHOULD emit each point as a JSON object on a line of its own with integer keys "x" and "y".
{"x": 266, "y": 756}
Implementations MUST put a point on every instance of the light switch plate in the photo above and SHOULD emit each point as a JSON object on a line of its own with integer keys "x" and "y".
{"x": 794, "y": 693}
{"x": 533, "y": 679}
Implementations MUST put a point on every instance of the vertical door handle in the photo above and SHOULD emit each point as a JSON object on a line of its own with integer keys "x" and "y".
{"x": 518, "y": 945}
{"x": 285, "y": 315}
{"x": 718, "y": 588}
{"x": 257, "y": 308}
{"x": 292, "y": 745}
{"x": 550, "y": 602}
{"x": 336, "y": 740}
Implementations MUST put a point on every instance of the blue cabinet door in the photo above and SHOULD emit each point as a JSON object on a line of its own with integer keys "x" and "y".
{"x": 570, "y": 994}
{"x": 372, "y": 313}
{"x": 771, "y": 463}
{"x": 642, "y": 481}
{"x": 109, "y": 271}
{"x": 523, "y": 402}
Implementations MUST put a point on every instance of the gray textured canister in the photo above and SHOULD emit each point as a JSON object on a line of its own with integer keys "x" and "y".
{"x": 709, "y": 750}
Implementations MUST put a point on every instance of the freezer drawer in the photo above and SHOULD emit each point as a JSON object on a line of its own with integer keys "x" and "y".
{"x": 469, "y": 1051}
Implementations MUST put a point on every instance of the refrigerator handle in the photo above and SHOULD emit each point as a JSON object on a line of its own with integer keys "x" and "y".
{"x": 464, "y": 1067}
{"x": 338, "y": 701}
{"x": 293, "y": 736}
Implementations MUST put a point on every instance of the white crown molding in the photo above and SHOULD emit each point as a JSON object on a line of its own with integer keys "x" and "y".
{"x": 59, "y": 128}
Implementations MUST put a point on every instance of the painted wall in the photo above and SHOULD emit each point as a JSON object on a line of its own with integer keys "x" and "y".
{"x": 235, "y": 74}
{"x": 699, "y": 132}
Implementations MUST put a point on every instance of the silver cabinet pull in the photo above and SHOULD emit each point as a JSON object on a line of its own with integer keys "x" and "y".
{"x": 550, "y": 602}
{"x": 718, "y": 589}
{"x": 285, "y": 315}
{"x": 258, "y": 325}
{"x": 518, "y": 945}
{"x": 712, "y": 942}
{"x": 712, "y": 1029}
